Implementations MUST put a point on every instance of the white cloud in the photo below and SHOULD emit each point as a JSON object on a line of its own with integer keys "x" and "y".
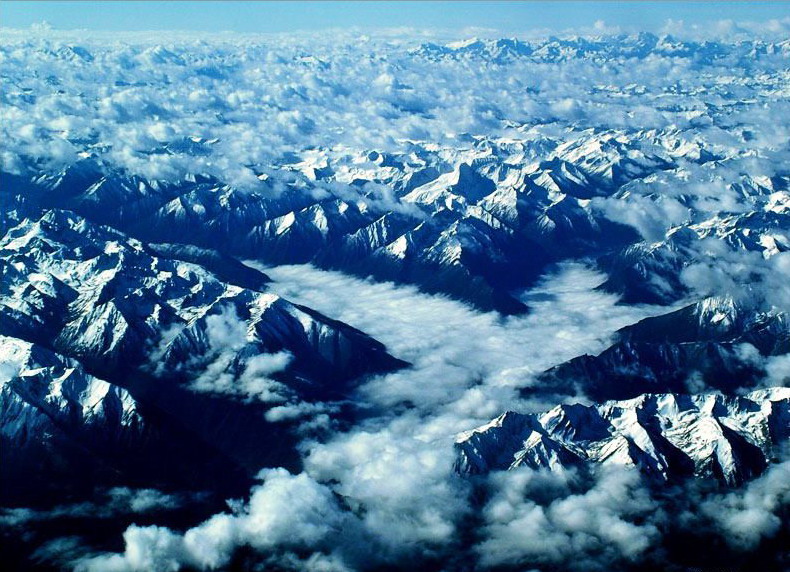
{"x": 108, "y": 504}
{"x": 569, "y": 317}
{"x": 222, "y": 372}
{"x": 745, "y": 275}
{"x": 394, "y": 470}
{"x": 538, "y": 518}
{"x": 777, "y": 370}
{"x": 747, "y": 516}
{"x": 262, "y": 96}
{"x": 286, "y": 513}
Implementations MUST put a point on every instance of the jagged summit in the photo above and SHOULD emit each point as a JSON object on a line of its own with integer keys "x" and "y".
{"x": 194, "y": 358}
{"x": 667, "y": 436}
{"x": 92, "y": 292}
{"x": 604, "y": 47}
{"x": 476, "y": 222}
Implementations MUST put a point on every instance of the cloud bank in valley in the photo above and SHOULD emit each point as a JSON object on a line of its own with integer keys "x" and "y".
{"x": 384, "y": 492}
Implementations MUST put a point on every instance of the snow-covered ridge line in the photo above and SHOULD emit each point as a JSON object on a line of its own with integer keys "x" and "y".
{"x": 490, "y": 215}
{"x": 667, "y": 436}
{"x": 42, "y": 392}
{"x": 97, "y": 294}
{"x": 384, "y": 37}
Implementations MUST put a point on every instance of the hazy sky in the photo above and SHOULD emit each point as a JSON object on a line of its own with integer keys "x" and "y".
{"x": 292, "y": 16}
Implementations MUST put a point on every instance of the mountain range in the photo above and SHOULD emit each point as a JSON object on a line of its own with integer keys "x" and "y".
{"x": 143, "y": 345}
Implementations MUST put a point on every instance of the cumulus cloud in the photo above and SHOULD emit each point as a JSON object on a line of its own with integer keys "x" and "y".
{"x": 746, "y": 275}
{"x": 134, "y": 100}
{"x": 609, "y": 517}
{"x": 285, "y": 513}
{"x": 252, "y": 382}
{"x": 651, "y": 216}
{"x": 748, "y": 516}
{"x": 540, "y": 518}
{"x": 602, "y": 518}
{"x": 398, "y": 463}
